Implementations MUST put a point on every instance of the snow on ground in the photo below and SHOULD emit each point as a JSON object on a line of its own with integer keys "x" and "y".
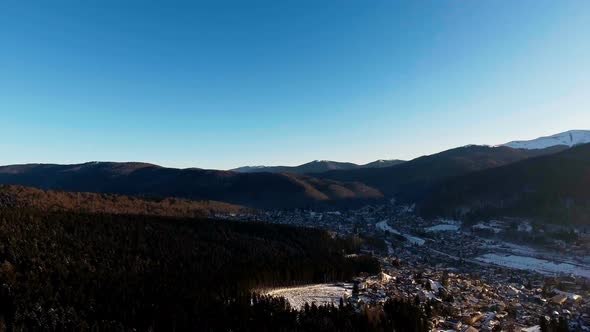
{"x": 384, "y": 226}
{"x": 511, "y": 247}
{"x": 413, "y": 239}
{"x": 535, "y": 328}
{"x": 319, "y": 294}
{"x": 490, "y": 226}
{"x": 442, "y": 228}
{"x": 534, "y": 264}
{"x": 569, "y": 138}
{"x": 449, "y": 221}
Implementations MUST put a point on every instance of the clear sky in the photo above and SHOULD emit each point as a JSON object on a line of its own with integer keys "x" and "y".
{"x": 220, "y": 84}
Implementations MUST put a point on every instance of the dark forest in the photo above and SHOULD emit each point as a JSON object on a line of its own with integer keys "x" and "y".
{"x": 65, "y": 271}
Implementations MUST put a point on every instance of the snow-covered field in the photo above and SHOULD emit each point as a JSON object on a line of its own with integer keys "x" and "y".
{"x": 319, "y": 294}
{"x": 442, "y": 228}
{"x": 534, "y": 264}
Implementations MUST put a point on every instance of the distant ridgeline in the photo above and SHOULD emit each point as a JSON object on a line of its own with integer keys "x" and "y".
{"x": 257, "y": 190}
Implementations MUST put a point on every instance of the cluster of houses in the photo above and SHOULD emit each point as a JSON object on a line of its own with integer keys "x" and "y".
{"x": 461, "y": 302}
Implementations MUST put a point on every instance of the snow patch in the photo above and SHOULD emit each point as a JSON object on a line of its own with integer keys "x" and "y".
{"x": 568, "y": 138}
{"x": 534, "y": 264}
{"x": 442, "y": 228}
{"x": 320, "y": 294}
{"x": 384, "y": 226}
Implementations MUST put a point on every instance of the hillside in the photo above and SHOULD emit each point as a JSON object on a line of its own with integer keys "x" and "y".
{"x": 273, "y": 190}
{"x": 50, "y": 201}
{"x": 554, "y": 188}
{"x": 67, "y": 271}
{"x": 411, "y": 179}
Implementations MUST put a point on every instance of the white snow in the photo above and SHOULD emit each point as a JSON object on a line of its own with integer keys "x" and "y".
{"x": 384, "y": 226}
{"x": 535, "y": 328}
{"x": 442, "y": 228}
{"x": 491, "y": 225}
{"x": 568, "y": 138}
{"x": 413, "y": 239}
{"x": 534, "y": 264}
{"x": 319, "y": 294}
{"x": 449, "y": 221}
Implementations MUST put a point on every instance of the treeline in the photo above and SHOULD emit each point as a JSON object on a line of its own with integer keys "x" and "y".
{"x": 65, "y": 271}
{"x": 266, "y": 313}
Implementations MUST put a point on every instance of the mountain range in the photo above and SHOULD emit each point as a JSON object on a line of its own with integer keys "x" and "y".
{"x": 475, "y": 179}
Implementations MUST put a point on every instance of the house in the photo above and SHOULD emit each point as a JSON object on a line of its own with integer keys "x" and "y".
{"x": 559, "y": 299}
{"x": 473, "y": 318}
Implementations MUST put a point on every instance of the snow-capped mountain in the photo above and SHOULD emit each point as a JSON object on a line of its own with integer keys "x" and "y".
{"x": 568, "y": 138}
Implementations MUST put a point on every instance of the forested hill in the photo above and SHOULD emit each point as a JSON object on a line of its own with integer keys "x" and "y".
{"x": 413, "y": 179}
{"x": 65, "y": 271}
{"x": 47, "y": 200}
{"x": 553, "y": 188}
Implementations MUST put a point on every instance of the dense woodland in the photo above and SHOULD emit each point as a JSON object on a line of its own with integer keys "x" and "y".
{"x": 49, "y": 200}
{"x": 65, "y": 271}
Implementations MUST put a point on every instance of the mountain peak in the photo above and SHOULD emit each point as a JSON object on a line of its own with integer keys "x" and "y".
{"x": 567, "y": 138}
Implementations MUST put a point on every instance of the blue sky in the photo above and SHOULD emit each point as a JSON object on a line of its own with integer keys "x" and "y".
{"x": 220, "y": 84}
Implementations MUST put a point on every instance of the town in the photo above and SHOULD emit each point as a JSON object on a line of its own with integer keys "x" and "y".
{"x": 470, "y": 276}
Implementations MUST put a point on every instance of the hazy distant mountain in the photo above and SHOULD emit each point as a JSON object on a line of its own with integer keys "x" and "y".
{"x": 250, "y": 189}
{"x": 554, "y": 187}
{"x": 568, "y": 138}
{"x": 412, "y": 178}
{"x": 316, "y": 166}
